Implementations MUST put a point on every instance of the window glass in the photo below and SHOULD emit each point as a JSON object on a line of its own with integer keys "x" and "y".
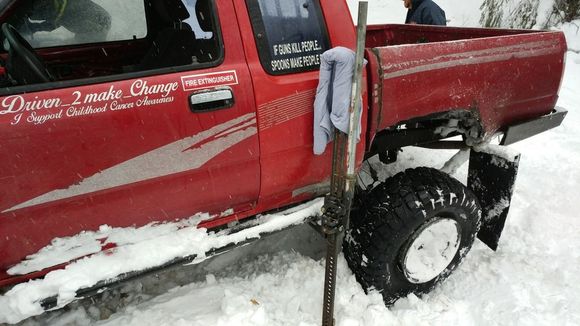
{"x": 156, "y": 33}
{"x": 291, "y": 34}
{"x": 46, "y": 23}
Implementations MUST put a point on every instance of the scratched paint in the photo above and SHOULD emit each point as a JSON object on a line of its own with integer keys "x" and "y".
{"x": 286, "y": 109}
{"x": 535, "y": 49}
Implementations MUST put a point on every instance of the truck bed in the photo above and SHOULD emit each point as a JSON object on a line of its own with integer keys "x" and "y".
{"x": 501, "y": 76}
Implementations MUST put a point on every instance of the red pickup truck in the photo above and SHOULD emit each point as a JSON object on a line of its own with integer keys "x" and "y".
{"x": 127, "y": 112}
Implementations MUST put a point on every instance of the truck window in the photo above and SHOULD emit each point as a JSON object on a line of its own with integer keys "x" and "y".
{"x": 67, "y": 22}
{"x": 290, "y": 34}
{"x": 63, "y": 40}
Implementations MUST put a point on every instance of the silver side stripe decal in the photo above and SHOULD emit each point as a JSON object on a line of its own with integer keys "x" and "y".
{"x": 176, "y": 157}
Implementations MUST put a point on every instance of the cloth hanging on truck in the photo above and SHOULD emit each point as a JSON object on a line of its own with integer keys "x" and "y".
{"x": 332, "y": 100}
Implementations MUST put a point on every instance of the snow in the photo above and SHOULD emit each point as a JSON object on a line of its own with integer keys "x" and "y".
{"x": 507, "y": 153}
{"x": 499, "y": 207}
{"x": 533, "y": 279}
{"x": 502, "y": 155}
{"x": 158, "y": 244}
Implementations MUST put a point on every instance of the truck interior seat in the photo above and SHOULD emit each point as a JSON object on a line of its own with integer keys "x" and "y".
{"x": 175, "y": 44}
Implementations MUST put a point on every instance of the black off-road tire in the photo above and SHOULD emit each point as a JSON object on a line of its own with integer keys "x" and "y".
{"x": 391, "y": 215}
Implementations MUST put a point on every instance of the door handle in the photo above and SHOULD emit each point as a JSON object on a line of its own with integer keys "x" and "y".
{"x": 211, "y": 99}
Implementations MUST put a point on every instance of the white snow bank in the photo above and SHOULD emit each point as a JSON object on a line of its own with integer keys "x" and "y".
{"x": 63, "y": 250}
{"x": 283, "y": 289}
{"x": 138, "y": 249}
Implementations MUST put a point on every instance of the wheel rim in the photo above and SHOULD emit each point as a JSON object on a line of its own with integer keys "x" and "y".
{"x": 431, "y": 250}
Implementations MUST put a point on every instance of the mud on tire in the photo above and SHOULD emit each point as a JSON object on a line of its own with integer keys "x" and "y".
{"x": 384, "y": 244}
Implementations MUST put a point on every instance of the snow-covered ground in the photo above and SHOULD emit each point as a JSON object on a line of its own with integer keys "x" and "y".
{"x": 132, "y": 249}
{"x": 533, "y": 279}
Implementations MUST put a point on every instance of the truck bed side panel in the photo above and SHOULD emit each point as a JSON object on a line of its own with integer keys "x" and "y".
{"x": 394, "y": 34}
{"x": 502, "y": 79}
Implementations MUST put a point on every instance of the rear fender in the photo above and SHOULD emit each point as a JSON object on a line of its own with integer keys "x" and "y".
{"x": 492, "y": 176}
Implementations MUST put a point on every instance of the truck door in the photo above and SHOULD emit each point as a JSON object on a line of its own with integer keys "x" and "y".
{"x": 148, "y": 118}
{"x": 284, "y": 40}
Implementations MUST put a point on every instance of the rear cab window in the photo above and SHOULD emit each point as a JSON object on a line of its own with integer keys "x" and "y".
{"x": 290, "y": 34}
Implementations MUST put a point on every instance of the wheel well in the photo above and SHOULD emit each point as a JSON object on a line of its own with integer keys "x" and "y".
{"x": 430, "y": 129}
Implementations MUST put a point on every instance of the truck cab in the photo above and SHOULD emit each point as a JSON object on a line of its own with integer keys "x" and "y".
{"x": 156, "y": 110}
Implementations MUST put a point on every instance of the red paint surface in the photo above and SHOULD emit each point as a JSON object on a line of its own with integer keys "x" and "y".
{"x": 504, "y": 76}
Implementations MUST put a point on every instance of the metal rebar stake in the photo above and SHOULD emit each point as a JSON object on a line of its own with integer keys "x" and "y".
{"x": 338, "y": 203}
